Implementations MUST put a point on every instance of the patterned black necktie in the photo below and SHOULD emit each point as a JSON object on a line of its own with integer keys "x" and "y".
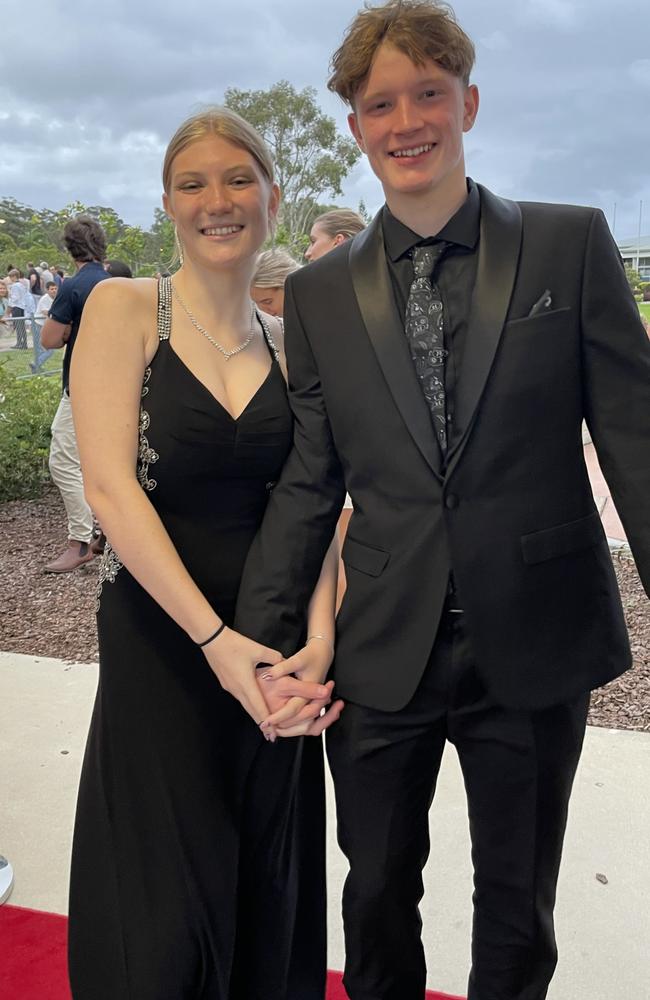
{"x": 423, "y": 324}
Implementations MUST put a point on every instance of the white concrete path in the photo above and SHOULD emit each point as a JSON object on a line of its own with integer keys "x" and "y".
{"x": 603, "y": 929}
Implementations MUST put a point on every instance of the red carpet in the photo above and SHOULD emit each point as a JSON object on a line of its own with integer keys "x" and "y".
{"x": 33, "y": 961}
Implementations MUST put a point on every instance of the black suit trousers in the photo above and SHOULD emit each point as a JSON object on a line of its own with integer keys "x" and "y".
{"x": 518, "y": 768}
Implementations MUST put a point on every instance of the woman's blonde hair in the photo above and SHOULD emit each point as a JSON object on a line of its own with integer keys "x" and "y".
{"x": 340, "y": 221}
{"x": 227, "y": 124}
{"x": 272, "y": 269}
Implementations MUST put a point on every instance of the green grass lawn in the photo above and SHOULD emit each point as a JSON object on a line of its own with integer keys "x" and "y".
{"x": 18, "y": 362}
{"x": 644, "y": 309}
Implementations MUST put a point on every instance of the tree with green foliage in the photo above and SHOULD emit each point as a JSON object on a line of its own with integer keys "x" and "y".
{"x": 633, "y": 277}
{"x": 159, "y": 242}
{"x": 311, "y": 157}
{"x": 30, "y": 235}
{"x": 364, "y": 213}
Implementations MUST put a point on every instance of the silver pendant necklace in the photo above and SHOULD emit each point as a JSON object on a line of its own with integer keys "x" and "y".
{"x": 215, "y": 343}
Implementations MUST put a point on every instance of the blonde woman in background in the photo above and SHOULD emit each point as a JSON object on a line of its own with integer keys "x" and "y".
{"x": 331, "y": 229}
{"x": 272, "y": 269}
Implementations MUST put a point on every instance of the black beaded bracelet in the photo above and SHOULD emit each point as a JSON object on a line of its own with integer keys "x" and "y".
{"x": 213, "y": 636}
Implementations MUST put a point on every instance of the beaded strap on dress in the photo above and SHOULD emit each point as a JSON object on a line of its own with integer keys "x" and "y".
{"x": 267, "y": 333}
{"x": 165, "y": 317}
{"x": 164, "y": 308}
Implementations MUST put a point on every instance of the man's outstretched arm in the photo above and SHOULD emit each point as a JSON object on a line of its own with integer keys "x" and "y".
{"x": 286, "y": 558}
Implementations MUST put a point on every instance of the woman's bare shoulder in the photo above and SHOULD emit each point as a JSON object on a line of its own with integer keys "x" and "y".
{"x": 124, "y": 310}
{"x": 138, "y": 294}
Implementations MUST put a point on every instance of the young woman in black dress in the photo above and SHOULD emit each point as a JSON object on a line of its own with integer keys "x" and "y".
{"x": 197, "y": 868}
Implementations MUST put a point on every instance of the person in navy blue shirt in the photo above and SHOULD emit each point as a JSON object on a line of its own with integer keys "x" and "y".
{"x": 86, "y": 243}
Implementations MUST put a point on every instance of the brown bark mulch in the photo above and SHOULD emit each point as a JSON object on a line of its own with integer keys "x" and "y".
{"x": 48, "y": 615}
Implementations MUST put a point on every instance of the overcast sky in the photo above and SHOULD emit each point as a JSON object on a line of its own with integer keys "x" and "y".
{"x": 90, "y": 94}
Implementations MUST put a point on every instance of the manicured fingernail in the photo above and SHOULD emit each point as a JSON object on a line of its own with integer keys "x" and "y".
{"x": 264, "y": 725}
{"x": 267, "y": 676}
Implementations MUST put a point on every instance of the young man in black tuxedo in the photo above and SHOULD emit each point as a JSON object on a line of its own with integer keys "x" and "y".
{"x": 440, "y": 367}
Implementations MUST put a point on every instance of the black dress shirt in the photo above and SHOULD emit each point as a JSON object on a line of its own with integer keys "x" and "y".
{"x": 455, "y": 277}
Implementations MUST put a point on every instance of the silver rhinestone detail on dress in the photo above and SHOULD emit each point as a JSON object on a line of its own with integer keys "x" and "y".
{"x": 110, "y": 564}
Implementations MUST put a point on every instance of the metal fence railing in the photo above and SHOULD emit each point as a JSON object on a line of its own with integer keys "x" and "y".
{"x": 20, "y": 326}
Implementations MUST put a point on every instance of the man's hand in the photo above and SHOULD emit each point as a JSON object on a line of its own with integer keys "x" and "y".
{"x": 300, "y": 715}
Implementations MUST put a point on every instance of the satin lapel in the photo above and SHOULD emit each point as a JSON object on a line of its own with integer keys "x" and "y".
{"x": 374, "y": 292}
{"x": 498, "y": 259}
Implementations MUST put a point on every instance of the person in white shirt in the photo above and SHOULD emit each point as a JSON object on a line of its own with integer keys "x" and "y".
{"x": 20, "y": 305}
{"x": 41, "y": 314}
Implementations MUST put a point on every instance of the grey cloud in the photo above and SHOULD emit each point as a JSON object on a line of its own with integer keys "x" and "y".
{"x": 564, "y": 89}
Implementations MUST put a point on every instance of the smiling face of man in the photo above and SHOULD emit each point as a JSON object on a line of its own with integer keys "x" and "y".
{"x": 409, "y": 120}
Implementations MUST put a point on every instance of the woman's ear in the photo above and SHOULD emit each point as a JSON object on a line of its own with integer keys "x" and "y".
{"x": 166, "y": 206}
{"x": 274, "y": 203}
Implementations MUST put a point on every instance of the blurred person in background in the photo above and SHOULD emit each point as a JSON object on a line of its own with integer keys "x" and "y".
{"x": 42, "y": 312}
{"x": 46, "y": 274}
{"x": 118, "y": 269}
{"x": 331, "y": 229}
{"x": 19, "y": 306}
{"x": 36, "y": 283}
{"x": 86, "y": 244}
{"x": 4, "y": 300}
{"x": 271, "y": 271}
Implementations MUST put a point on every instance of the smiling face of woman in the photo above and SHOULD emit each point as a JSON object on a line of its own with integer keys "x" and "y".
{"x": 220, "y": 201}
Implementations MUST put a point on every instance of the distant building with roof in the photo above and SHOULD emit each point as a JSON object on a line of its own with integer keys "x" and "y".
{"x": 636, "y": 254}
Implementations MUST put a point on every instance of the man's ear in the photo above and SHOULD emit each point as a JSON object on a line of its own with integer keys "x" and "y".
{"x": 353, "y": 125}
{"x": 470, "y": 106}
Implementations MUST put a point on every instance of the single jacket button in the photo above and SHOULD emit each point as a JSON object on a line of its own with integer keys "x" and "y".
{"x": 451, "y": 501}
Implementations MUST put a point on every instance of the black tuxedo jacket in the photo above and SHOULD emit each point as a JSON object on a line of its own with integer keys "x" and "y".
{"x": 513, "y": 513}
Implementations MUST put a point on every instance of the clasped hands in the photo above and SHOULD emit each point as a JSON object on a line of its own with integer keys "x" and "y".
{"x": 284, "y": 697}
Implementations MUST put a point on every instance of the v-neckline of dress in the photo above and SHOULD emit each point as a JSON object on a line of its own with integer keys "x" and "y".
{"x": 215, "y": 399}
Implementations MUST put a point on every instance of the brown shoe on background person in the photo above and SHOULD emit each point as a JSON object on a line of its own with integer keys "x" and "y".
{"x": 98, "y": 544}
{"x": 76, "y": 554}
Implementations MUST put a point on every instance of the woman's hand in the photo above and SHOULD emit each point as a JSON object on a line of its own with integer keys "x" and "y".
{"x": 300, "y": 714}
{"x": 312, "y": 725}
{"x": 234, "y": 658}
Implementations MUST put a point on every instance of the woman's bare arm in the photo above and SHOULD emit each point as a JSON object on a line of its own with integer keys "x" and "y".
{"x": 116, "y": 342}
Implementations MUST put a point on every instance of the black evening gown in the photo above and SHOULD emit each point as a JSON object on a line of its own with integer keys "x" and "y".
{"x": 198, "y": 855}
